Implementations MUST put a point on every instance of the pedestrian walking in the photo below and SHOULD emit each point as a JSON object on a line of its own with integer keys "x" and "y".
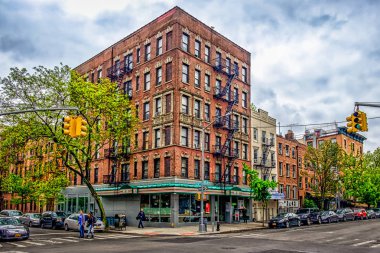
{"x": 141, "y": 218}
{"x": 245, "y": 217}
{"x": 91, "y": 223}
{"x": 81, "y": 221}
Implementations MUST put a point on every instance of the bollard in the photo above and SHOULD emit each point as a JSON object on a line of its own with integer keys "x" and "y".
{"x": 218, "y": 226}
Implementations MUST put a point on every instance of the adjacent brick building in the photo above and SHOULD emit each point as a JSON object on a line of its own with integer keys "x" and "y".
{"x": 182, "y": 76}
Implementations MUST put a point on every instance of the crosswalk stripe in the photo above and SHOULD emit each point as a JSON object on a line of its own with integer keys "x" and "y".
{"x": 102, "y": 237}
{"x": 17, "y": 245}
{"x": 375, "y": 246}
{"x": 65, "y": 239}
{"x": 363, "y": 243}
{"x": 49, "y": 241}
{"x": 34, "y": 243}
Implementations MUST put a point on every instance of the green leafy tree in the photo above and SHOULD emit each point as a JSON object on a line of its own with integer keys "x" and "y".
{"x": 309, "y": 203}
{"x": 107, "y": 110}
{"x": 259, "y": 188}
{"x": 325, "y": 162}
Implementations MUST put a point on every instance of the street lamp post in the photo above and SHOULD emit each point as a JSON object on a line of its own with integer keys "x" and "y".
{"x": 202, "y": 224}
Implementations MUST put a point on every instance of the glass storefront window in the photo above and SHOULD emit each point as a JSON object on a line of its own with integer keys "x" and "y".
{"x": 190, "y": 208}
{"x": 156, "y": 207}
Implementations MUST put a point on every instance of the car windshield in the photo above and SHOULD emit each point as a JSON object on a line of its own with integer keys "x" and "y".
{"x": 15, "y": 213}
{"x": 357, "y": 210}
{"x": 35, "y": 215}
{"x": 61, "y": 214}
{"x": 325, "y": 213}
{"x": 299, "y": 211}
{"x": 281, "y": 215}
{"x": 7, "y": 221}
{"x": 339, "y": 211}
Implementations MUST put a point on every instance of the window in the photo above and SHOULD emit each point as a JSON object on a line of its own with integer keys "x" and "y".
{"x": 281, "y": 188}
{"x": 185, "y": 73}
{"x": 157, "y": 138}
{"x": 158, "y": 76}
{"x": 145, "y": 140}
{"x": 245, "y": 125}
{"x": 244, "y": 74}
{"x": 217, "y": 172}
{"x": 207, "y": 112}
{"x": 300, "y": 183}
{"x": 280, "y": 148}
{"x": 207, "y": 142}
{"x": 245, "y": 151}
{"x": 97, "y": 151}
{"x": 306, "y": 183}
{"x": 135, "y": 170}
{"x": 197, "y": 139}
{"x": 137, "y": 82}
{"x": 236, "y": 121}
{"x": 168, "y": 101}
{"x": 169, "y": 37}
{"x": 244, "y": 177}
{"x": 147, "y": 81}
{"x": 99, "y": 74}
{"x": 138, "y": 55}
{"x": 244, "y": 99}
{"x": 295, "y": 192}
{"x": 185, "y": 42}
{"x": 287, "y": 170}
{"x": 236, "y": 149}
{"x": 294, "y": 171}
{"x": 207, "y": 54}
{"x": 168, "y": 74}
{"x": 300, "y": 162}
{"x": 158, "y": 106}
{"x": 92, "y": 77}
{"x": 197, "y": 169}
{"x": 207, "y": 170}
{"x": 228, "y": 65}
{"x": 197, "y": 77}
{"x": 125, "y": 172}
{"x": 288, "y": 191}
{"x": 218, "y": 60}
{"x": 128, "y": 62}
{"x": 207, "y": 82}
{"x": 159, "y": 46}
{"x": 280, "y": 169}
{"x": 136, "y": 141}
{"x": 185, "y": 104}
{"x": 156, "y": 167}
{"x": 218, "y": 142}
{"x": 96, "y": 175}
{"x": 184, "y": 167}
{"x": 255, "y": 155}
{"x": 287, "y": 150}
{"x": 137, "y": 110}
{"x": 128, "y": 88}
{"x": 236, "y": 68}
{"x": 184, "y": 136}
{"x": 197, "y": 49}
{"x": 293, "y": 152}
{"x": 264, "y": 137}
{"x": 236, "y": 95}
{"x": 255, "y": 134}
{"x": 144, "y": 169}
{"x": 197, "y": 109}
{"x": 167, "y": 166}
{"x": 167, "y": 135}
{"x": 147, "y": 52}
{"x": 218, "y": 86}
{"x": 146, "y": 111}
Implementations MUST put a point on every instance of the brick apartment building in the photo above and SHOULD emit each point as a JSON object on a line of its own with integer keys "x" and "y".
{"x": 182, "y": 76}
{"x": 290, "y": 155}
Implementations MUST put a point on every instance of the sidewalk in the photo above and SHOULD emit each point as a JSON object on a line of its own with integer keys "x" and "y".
{"x": 189, "y": 230}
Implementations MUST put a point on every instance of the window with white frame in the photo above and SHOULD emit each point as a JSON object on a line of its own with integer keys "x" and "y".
{"x": 147, "y": 81}
{"x": 185, "y": 104}
{"x": 147, "y": 52}
{"x": 255, "y": 134}
{"x": 244, "y": 99}
{"x": 197, "y": 139}
{"x": 207, "y": 112}
{"x": 146, "y": 111}
{"x": 255, "y": 155}
{"x": 244, "y": 74}
{"x": 158, "y": 76}
{"x": 294, "y": 171}
{"x": 197, "y": 166}
{"x": 185, "y": 73}
{"x": 245, "y": 125}
{"x": 158, "y": 105}
{"x": 280, "y": 148}
{"x": 197, "y": 78}
{"x": 280, "y": 169}
{"x": 184, "y": 136}
{"x": 245, "y": 152}
{"x": 157, "y": 138}
{"x": 295, "y": 192}
{"x": 159, "y": 46}
{"x": 185, "y": 42}
{"x": 197, "y": 109}
{"x": 287, "y": 170}
{"x": 197, "y": 48}
{"x": 185, "y": 167}
{"x": 207, "y": 54}
{"x": 207, "y": 82}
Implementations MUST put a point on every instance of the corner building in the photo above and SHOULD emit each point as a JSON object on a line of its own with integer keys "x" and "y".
{"x": 183, "y": 77}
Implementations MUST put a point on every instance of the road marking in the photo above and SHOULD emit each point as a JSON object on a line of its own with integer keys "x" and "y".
{"x": 375, "y": 246}
{"x": 334, "y": 239}
{"x": 49, "y": 241}
{"x": 249, "y": 235}
{"x": 65, "y": 239}
{"x": 17, "y": 245}
{"x": 63, "y": 233}
{"x": 34, "y": 243}
{"x": 102, "y": 237}
{"x": 363, "y": 243}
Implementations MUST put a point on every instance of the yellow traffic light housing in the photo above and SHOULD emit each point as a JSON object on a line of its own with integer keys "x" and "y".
{"x": 68, "y": 126}
{"x": 357, "y": 122}
{"x": 80, "y": 127}
{"x": 363, "y": 121}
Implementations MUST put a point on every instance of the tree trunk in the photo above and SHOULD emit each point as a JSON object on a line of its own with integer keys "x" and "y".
{"x": 264, "y": 212}
{"x": 95, "y": 195}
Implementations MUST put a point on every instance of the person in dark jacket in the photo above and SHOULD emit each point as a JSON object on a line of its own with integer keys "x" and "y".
{"x": 91, "y": 220}
{"x": 141, "y": 218}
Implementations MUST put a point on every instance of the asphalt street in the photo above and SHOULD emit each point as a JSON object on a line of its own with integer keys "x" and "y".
{"x": 356, "y": 236}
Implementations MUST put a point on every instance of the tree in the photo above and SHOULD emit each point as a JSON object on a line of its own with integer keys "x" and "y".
{"x": 259, "y": 187}
{"x": 110, "y": 116}
{"x": 325, "y": 162}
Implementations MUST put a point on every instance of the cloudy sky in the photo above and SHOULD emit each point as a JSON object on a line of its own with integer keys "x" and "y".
{"x": 311, "y": 60}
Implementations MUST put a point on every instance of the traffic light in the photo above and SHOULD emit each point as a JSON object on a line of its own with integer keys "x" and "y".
{"x": 357, "y": 122}
{"x": 364, "y": 124}
{"x": 68, "y": 126}
{"x": 80, "y": 127}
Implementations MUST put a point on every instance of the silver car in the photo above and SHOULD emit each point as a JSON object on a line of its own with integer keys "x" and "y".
{"x": 11, "y": 213}
{"x": 71, "y": 223}
{"x": 31, "y": 219}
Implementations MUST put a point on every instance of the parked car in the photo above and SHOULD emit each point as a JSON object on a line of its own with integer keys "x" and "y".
{"x": 345, "y": 214}
{"x": 377, "y": 212}
{"x": 360, "y": 214}
{"x": 11, "y": 228}
{"x": 285, "y": 220}
{"x": 329, "y": 216}
{"x": 371, "y": 214}
{"x": 31, "y": 219}
{"x": 71, "y": 223}
{"x": 11, "y": 213}
{"x": 52, "y": 220}
{"x": 309, "y": 215}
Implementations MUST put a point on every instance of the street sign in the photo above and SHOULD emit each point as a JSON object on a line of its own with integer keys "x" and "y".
{"x": 204, "y": 188}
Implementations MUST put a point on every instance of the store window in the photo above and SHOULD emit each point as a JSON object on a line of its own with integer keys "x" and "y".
{"x": 156, "y": 207}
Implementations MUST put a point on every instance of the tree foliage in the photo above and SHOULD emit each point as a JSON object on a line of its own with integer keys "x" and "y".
{"x": 107, "y": 110}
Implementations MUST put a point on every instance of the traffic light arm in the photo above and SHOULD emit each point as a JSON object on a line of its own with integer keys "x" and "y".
{"x": 373, "y": 104}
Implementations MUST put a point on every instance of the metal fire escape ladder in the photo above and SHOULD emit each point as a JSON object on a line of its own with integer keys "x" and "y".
{"x": 266, "y": 169}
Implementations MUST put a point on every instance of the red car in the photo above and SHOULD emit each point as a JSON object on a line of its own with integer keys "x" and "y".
{"x": 360, "y": 214}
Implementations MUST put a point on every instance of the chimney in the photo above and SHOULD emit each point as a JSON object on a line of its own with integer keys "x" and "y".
{"x": 289, "y": 135}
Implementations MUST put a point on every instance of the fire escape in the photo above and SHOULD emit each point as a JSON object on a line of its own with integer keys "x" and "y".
{"x": 115, "y": 154}
{"x": 225, "y": 151}
{"x": 266, "y": 165}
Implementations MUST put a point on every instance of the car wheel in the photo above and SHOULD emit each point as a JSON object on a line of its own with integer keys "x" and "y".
{"x": 329, "y": 220}
{"x": 299, "y": 223}
{"x": 30, "y": 224}
{"x": 344, "y": 218}
{"x": 308, "y": 221}
{"x": 66, "y": 227}
{"x": 287, "y": 225}
{"x": 319, "y": 220}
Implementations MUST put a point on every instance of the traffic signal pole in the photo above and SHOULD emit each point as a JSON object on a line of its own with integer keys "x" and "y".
{"x": 40, "y": 110}
{"x": 367, "y": 104}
